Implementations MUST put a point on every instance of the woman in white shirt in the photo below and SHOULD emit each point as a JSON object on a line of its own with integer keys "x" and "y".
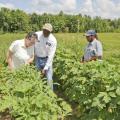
{"x": 21, "y": 52}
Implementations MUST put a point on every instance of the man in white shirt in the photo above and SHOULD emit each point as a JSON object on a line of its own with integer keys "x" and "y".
{"x": 21, "y": 52}
{"x": 93, "y": 50}
{"x": 45, "y": 49}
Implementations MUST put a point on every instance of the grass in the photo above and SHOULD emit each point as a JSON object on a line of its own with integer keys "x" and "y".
{"x": 73, "y": 41}
{"x": 77, "y": 42}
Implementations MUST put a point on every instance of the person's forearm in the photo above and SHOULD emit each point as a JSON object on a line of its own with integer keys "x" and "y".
{"x": 10, "y": 65}
{"x": 49, "y": 62}
{"x": 50, "y": 58}
{"x": 9, "y": 60}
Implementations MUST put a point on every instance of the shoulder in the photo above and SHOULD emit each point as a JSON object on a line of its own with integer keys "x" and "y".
{"x": 98, "y": 42}
{"x": 17, "y": 42}
{"x": 39, "y": 33}
{"x": 52, "y": 39}
{"x": 14, "y": 45}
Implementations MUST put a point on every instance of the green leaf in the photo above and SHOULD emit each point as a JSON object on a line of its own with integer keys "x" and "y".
{"x": 106, "y": 99}
{"x": 112, "y": 94}
{"x": 95, "y": 102}
{"x": 118, "y": 102}
{"x": 118, "y": 91}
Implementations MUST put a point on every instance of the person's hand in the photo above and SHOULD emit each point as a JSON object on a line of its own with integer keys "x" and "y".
{"x": 94, "y": 58}
{"x": 10, "y": 68}
{"x": 28, "y": 62}
{"x": 81, "y": 61}
{"x": 43, "y": 72}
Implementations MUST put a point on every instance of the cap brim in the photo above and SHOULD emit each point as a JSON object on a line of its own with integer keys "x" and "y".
{"x": 87, "y": 34}
{"x": 46, "y": 29}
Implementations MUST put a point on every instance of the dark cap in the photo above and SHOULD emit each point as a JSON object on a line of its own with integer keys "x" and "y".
{"x": 90, "y": 32}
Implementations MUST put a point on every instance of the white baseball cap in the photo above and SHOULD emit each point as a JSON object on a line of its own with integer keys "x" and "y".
{"x": 48, "y": 26}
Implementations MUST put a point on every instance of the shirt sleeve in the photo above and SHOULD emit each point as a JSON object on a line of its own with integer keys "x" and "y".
{"x": 52, "y": 48}
{"x": 13, "y": 47}
{"x": 99, "y": 49}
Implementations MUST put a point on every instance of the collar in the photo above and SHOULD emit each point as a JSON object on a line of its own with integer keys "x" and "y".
{"x": 23, "y": 43}
{"x": 91, "y": 43}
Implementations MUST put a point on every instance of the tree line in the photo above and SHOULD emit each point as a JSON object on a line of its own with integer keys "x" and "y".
{"x": 20, "y": 21}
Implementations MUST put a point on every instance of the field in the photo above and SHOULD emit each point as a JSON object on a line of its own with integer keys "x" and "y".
{"x": 92, "y": 90}
{"x": 73, "y": 41}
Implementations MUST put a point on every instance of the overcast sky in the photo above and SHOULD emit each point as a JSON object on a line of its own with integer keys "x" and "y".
{"x": 103, "y": 8}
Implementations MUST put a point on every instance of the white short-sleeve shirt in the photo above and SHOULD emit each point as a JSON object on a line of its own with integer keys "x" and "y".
{"x": 45, "y": 46}
{"x": 20, "y": 53}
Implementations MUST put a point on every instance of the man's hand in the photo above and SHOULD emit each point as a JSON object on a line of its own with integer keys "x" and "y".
{"x": 93, "y": 58}
{"x": 44, "y": 72}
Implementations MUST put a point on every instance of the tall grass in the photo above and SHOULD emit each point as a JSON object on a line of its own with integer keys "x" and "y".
{"x": 75, "y": 42}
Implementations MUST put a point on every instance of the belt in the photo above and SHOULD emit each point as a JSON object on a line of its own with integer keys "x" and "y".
{"x": 43, "y": 57}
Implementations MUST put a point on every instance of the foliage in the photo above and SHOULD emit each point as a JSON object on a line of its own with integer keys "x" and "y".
{"x": 18, "y": 20}
{"x": 27, "y": 97}
{"x": 95, "y": 86}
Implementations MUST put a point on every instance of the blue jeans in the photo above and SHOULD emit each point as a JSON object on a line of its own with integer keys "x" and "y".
{"x": 40, "y": 64}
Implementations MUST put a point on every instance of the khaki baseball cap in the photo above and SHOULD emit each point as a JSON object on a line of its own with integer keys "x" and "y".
{"x": 48, "y": 26}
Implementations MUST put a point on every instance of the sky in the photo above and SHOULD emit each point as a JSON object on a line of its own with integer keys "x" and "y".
{"x": 103, "y": 8}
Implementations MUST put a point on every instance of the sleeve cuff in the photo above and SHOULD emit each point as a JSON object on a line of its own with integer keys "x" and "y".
{"x": 46, "y": 68}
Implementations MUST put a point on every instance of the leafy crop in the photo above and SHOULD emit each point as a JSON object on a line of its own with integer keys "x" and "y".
{"x": 95, "y": 86}
{"x": 24, "y": 94}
